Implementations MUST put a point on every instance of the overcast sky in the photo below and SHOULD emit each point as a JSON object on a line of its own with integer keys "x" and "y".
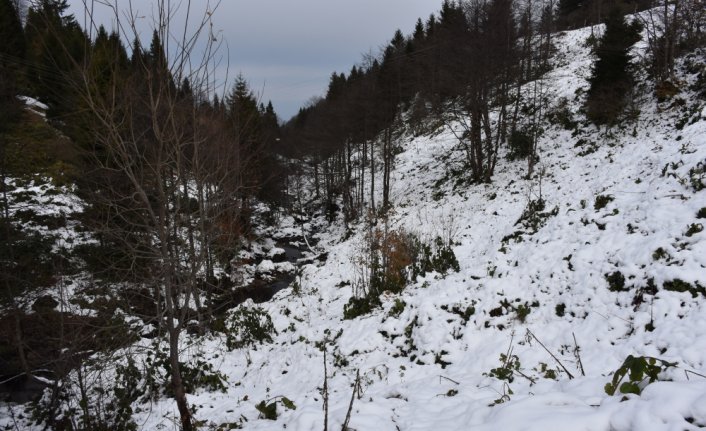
{"x": 287, "y": 49}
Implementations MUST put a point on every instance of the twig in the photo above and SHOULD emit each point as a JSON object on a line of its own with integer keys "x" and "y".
{"x": 677, "y": 195}
{"x": 686, "y": 372}
{"x": 350, "y": 406}
{"x": 531, "y": 380}
{"x": 451, "y": 380}
{"x": 571, "y": 376}
{"x": 509, "y": 349}
{"x": 577, "y": 353}
{"x": 325, "y": 394}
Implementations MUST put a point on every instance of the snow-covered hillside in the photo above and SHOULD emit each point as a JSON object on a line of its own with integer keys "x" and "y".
{"x": 616, "y": 267}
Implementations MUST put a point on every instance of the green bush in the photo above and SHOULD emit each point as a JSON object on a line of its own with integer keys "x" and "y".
{"x": 694, "y": 228}
{"x": 602, "y": 201}
{"x": 616, "y": 281}
{"x": 660, "y": 253}
{"x": 697, "y": 176}
{"x": 247, "y": 327}
{"x": 560, "y": 309}
{"x": 464, "y": 313}
{"x": 506, "y": 371}
{"x": 398, "y": 307}
{"x": 678, "y": 285}
{"x": 360, "y": 306}
{"x": 437, "y": 258}
{"x": 520, "y": 143}
{"x": 534, "y": 217}
{"x": 639, "y": 371}
{"x": 522, "y": 311}
{"x": 195, "y": 374}
{"x": 562, "y": 116}
{"x": 268, "y": 410}
{"x": 127, "y": 390}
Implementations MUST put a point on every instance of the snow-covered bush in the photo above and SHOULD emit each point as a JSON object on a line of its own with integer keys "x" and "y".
{"x": 438, "y": 257}
{"x": 388, "y": 260}
{"x": 247, "y": 326}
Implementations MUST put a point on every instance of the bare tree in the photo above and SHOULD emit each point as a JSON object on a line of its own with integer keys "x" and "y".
{"x": 484, "y": 80}
{"x": 170, "y": 175}
{"x": 671, "y": 27}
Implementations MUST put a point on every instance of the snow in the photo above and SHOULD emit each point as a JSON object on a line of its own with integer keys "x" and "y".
{"x": 265, "y": 266}
{"x": 34, "y": 105}
{"x": 644, "y": 168}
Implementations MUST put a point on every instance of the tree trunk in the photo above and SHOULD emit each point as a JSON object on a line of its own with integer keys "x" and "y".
{"x": 372, "y": 175}
{"x": 177, "y": 383}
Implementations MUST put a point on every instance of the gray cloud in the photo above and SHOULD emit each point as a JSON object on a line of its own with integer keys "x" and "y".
{"x": 287, "y": 49}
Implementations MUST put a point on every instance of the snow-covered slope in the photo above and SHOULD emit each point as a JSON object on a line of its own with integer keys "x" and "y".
{"x": 623, "y": 201}
{"x": 643, "y": 232}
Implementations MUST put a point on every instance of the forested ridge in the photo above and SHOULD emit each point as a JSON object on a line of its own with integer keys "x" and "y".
{"x": 171, "y": 250}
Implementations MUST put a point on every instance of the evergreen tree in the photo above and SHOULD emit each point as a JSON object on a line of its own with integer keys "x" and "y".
{"x": 336, "y": 86}
{"x": 431, "y": 25}
{"x": 568, "y": 7}
{"x": 398, "y": 40}
{"x": 107, "y": 59}
{"x": 106, "y": 64}
{"x": 158, "y": 66}
{"x": 137, "y": 55}
{"x": 12, "y": 51}
{"x": 12, "y": 48}
{"x": 243, "y": 112}
{"x": 612, "y": 76}
{"x": 156, "y": 54}
{"x": 56, "y": 44}
{"x": 418, "y": 35}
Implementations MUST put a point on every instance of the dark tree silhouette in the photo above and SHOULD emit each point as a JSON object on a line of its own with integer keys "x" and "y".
{"x": 612, "y": 77}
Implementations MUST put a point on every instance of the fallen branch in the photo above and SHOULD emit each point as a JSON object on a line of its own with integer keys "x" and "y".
{"x": 356, "y": 384}
{"x": 571, "y": 376}
{"x": 451, "y": 380}
{"x": 325, "y": 393}
{"x": 686, "y": 372}
{"x": 577, "y": 353}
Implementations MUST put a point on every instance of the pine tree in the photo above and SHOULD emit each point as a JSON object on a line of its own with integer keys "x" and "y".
{"x": 243, "y": 111}
{"x": 156, "y": 54}
{"x": 56, "y": 45}
{"x": 569, "y": 7}
{"x": 336, "y": 86}
{"x": 12, "y": 48}
{"x": 137, "y": 55}
{"x": 612, "y": 78}
{"x": 12, "y": 51}
{"x": 106, "y": 63}
{"x": 108, "y": 59}
{"x": 418, "y": 35}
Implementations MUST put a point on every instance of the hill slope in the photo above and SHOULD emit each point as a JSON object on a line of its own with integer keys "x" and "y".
{"x": 618, "y": 202}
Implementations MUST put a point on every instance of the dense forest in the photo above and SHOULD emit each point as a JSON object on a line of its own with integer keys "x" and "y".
{"x": 176, "y": 179}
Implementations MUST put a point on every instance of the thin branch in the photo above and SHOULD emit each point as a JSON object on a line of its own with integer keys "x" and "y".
{"x": 687, "y": 372}
{"x": 356, "y": 384}
{"x": 577, "y": 353}
{"x": 571, "y": 376}
{"x": 325, "y": 393}
{"x": 451, "y": 380}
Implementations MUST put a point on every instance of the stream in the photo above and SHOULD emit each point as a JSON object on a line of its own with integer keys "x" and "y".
{"x": 21, "y": 388}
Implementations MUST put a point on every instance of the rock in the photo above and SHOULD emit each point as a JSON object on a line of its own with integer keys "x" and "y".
{"x": 277, "y": 255}
{"x": 266, "y": 266}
